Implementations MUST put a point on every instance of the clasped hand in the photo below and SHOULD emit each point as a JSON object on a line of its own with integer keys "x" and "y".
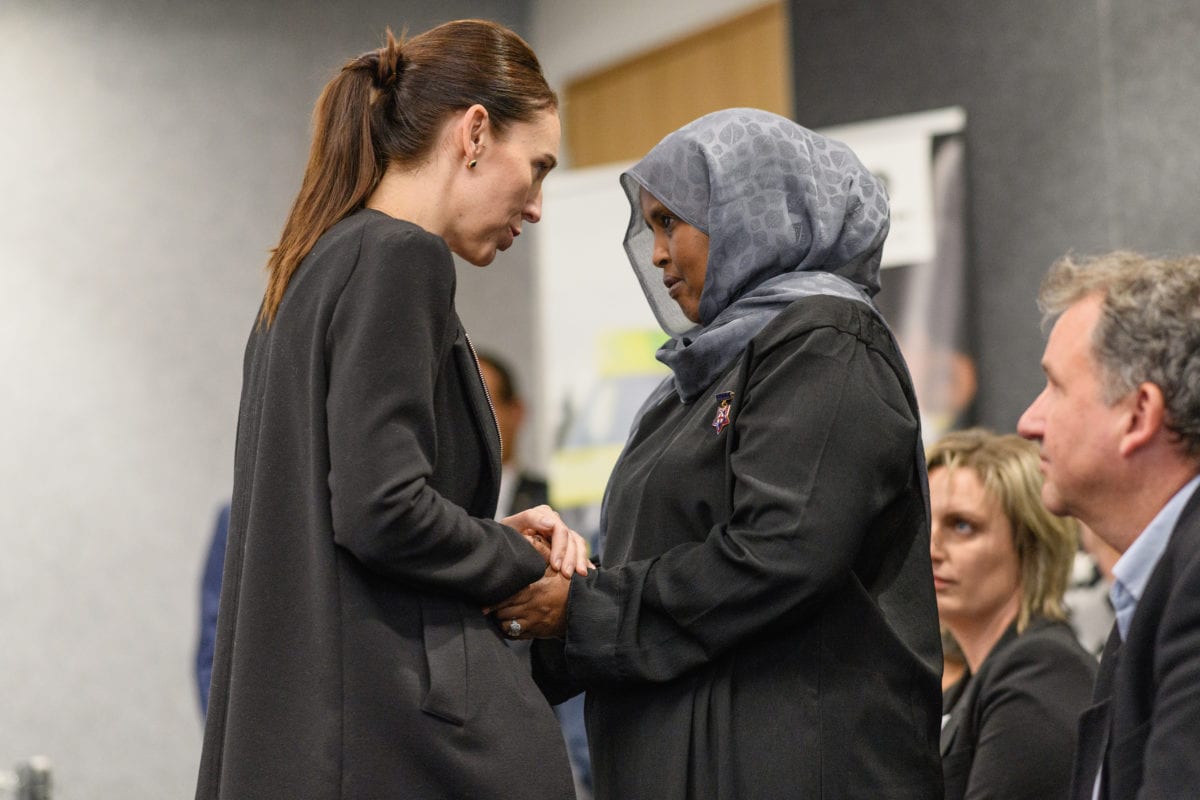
{"x": 567, "y": 552}
{"x": 540, "y": 609}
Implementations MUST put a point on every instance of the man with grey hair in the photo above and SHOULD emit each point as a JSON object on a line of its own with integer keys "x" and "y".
{"x": 1119, "y": 429}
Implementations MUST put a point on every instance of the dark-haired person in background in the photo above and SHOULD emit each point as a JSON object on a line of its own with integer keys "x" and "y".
{"x": 520, "y": 488}
{"x": 352, "y": 660}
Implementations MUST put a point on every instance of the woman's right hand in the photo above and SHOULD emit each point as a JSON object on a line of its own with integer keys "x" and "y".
{"x": 568, "y": 551}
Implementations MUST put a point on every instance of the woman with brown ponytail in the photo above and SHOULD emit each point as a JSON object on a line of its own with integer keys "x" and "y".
{"x": 352, "y": 658}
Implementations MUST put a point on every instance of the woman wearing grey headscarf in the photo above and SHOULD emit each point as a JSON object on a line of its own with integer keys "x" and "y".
{"x": 764, "y": 624}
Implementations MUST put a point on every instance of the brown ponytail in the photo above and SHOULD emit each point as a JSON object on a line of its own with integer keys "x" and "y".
{"x": 387, "y": 106}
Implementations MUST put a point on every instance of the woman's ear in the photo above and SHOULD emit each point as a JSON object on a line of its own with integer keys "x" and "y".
{"x": 473, "y": 129}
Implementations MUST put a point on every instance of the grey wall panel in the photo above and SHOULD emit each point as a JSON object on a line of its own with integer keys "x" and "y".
{"x": 1153, "y": 82}
{"x": 1078, "y": 121}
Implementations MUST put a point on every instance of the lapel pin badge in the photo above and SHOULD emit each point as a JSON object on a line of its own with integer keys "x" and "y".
{"x": 722, "y": 418}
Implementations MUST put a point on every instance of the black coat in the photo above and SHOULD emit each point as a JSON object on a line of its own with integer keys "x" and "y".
{"x": 764, "y": 625}
{"x": 1011, "y": 734}
{"x": 532, "y": 490}
{"x": 352, "y": 659}
{"x": 1145, "y": 720}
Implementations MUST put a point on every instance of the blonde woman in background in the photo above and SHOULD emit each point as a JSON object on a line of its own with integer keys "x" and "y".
{"x": 1001, "y": 562}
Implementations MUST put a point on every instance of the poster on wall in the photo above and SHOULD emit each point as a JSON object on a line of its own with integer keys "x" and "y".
{"x": 923, "y": 295}
{"x": 597, "y": 336}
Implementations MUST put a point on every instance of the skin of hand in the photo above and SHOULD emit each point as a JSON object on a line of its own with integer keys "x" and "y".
{"x": 568, "y": 550}
{"x": 541, "y": 607}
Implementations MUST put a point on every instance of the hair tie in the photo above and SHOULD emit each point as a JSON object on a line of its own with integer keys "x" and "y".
{"x": 385, "y": 66}
{"x": 390, "y": 66}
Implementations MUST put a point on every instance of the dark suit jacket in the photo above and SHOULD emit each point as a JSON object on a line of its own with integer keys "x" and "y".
{"x": 352, "y": 660}
{"x": 1146, "y": 719}
{"x": 1012, "y": 732}
{"x": 531, "y": 491}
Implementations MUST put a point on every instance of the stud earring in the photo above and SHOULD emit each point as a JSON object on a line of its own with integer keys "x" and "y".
{"x": 471, "y": 164}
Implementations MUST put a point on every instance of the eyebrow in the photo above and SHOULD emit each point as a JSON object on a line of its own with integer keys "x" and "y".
{"x": 957, "y": 508}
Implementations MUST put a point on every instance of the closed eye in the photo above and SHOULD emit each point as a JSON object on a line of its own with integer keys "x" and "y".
{"x": 542, "y": 167}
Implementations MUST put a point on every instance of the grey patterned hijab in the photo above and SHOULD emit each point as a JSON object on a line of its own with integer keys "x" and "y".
{"x": 788, "y": 212}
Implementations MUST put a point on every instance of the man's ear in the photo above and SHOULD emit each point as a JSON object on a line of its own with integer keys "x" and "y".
{"x": 1147, "y": 418}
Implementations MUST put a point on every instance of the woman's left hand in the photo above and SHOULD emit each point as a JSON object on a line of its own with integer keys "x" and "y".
{"x": 539, "y": 610}
{"x": 568, "y": 550}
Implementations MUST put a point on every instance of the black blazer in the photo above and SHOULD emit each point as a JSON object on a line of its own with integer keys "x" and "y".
{"x": 1146, "y": 718}
{"x": 531, "y": 491}
{"x": 352, "y": 660}
{"x": 1012, "y": 731}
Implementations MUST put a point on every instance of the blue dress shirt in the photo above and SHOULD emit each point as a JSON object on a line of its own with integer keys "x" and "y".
{"x": 1133, "y": 569}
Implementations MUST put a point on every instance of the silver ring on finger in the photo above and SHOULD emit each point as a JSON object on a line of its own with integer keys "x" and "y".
{"x": 514, "y": 628}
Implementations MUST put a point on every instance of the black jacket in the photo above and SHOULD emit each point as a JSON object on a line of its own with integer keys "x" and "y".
{"x": 1011, "y": 734}
{"x": 1146, "y": 718}
{"x": 764, "y": 625}
{"x": 352, "y": 659}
